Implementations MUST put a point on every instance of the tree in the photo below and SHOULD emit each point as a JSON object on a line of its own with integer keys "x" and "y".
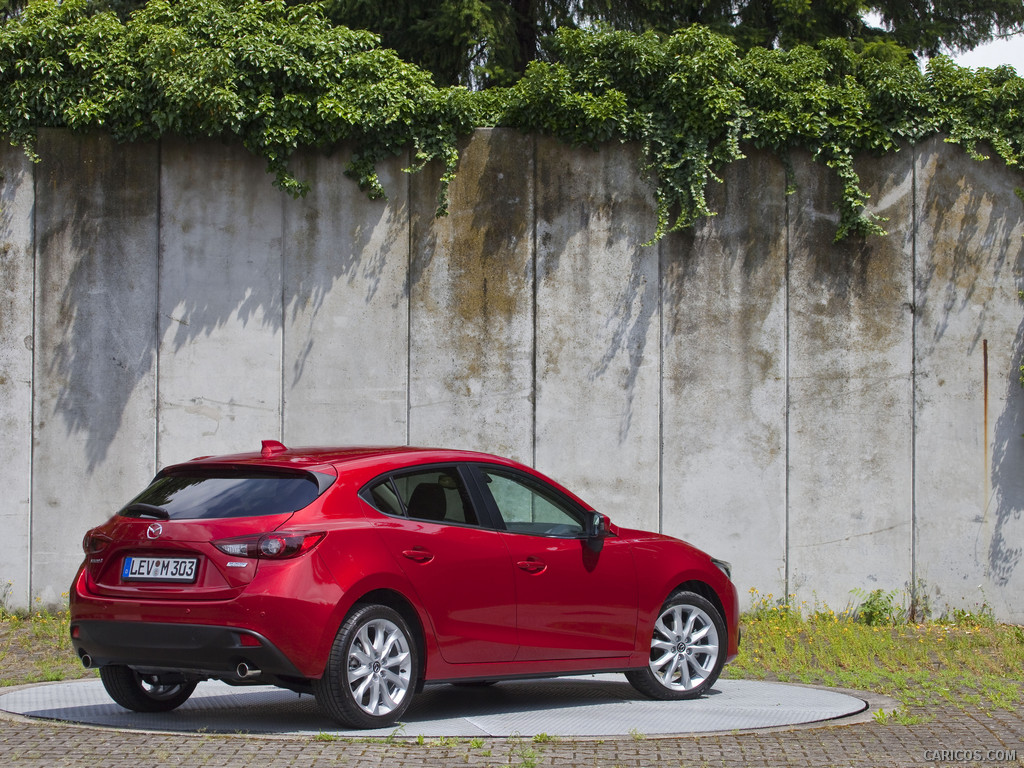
{"x": 460, "y": 41}
{"x": 483, "y": 43}
{"x": 931, "y": 27}
{"x": 490, "y": 42}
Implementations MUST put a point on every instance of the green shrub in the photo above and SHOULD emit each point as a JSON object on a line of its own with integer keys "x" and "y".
{"x": 278, "y": 77}
{"x": 877, "y": 608}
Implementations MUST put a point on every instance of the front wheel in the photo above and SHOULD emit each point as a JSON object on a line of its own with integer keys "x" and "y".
{"x": 143, "y": 693}
{"x": 371, "y": 671}
{"x": 686, "y": 653}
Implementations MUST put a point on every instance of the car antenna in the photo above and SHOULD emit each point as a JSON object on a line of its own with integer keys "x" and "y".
{"x": 272, "y": 448}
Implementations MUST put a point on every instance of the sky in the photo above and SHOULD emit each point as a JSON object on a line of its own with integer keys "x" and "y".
{"x": 995, "y": 53}
{"x": 990, "y": 55}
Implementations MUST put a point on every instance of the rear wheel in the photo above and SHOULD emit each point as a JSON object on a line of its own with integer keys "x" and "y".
{"x": 686, "y": 653}
{"x": 143, "y": 693}
{"x": 371, "y": 671}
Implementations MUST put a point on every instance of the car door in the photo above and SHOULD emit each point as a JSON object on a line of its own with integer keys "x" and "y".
{"x": 572, "y": 601}
{"x": 459, "y": 569}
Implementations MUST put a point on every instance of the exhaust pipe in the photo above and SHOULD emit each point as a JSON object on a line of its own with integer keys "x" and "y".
{"x": 87, "y": 661}
{"x": 244, "y": 671}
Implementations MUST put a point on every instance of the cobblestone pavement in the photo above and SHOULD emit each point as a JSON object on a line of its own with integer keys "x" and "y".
{"x": 952, "y": 736}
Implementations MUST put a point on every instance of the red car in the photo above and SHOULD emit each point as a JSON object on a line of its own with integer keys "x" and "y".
{"x": 361, "y": 574}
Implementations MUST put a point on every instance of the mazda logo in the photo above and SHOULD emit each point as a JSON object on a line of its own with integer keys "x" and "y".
{"x": 154, "y": 531}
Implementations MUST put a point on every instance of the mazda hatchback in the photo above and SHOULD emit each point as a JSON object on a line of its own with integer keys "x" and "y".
{"x": 362, "y": 574}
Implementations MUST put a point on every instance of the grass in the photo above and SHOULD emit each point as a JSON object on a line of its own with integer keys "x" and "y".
{"x": 964, "y": 659}
{"x": 36, "y": 647}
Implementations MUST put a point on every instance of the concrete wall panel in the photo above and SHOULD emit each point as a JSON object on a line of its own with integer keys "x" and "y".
{"x": 851, "y": 407}
{"x": 346, "y": 310}
{"x": 598, "y": 328}
{"x": 96, "y": 229}
{"x": 828, "y": 417}
{"x": 724, "y": 389}
{"x": 471, "y": 301}
{"x": 970, "y": 406}
{"x": 17, "y": 293}
{"x": 221, "y": 301}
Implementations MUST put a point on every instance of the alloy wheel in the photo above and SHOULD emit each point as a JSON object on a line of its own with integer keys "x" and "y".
{"x": 684, "y": 647}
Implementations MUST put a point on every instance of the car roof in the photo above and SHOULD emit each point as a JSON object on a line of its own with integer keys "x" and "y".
{"x": 314, "y": 458}
{"x": 331, "y": 459}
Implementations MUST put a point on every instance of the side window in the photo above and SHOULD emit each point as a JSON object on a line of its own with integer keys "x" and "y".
{"x": 437, "y": 495}
{"x": 527, "y": 507}
{"x": 383, "y": 497}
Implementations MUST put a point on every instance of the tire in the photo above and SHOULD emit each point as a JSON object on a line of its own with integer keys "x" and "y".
{"x": 371, "y": 671}
{"x": 686, "y": 650}
{"x": 143, "y": 693}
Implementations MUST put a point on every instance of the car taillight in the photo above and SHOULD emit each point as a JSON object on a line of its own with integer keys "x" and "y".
{"x": 278, "y": 545}
{"x": 94, "y": 543}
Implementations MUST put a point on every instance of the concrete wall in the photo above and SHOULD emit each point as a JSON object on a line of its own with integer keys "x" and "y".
{"x": 827, "y": 417}
{"x": 16, "y": 347}
{"x": 724, "y": 389}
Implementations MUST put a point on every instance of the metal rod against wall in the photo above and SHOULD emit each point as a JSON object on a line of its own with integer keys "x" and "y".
{"x": 984, "y": 447}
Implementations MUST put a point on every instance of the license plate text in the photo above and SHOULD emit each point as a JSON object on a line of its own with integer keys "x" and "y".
{"x": 159, "y": 569}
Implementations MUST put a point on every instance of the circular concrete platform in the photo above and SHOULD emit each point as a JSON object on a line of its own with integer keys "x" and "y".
{"x": 592, "y": 706}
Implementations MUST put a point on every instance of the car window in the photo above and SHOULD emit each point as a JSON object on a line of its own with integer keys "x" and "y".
{"x": 222, "y": 493}
{"x": 526, "y": 506}
{"x": 437, "y": 495}
{"x": 385, "y": 498}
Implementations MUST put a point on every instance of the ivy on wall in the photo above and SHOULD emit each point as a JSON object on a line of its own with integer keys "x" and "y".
{"x": 277, "y": 78}
{"x": 274, "y": 77}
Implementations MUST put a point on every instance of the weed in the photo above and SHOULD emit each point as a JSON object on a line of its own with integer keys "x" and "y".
{"x": 898, "y": 717}
{"x": 325, "y": 737}
{"x": 877, "y": 608}
{"x": 920, "y": 603}
{"x": 963, "y": 617}
{"x": 528, "y": 757}
{"x": 5, "y": 592}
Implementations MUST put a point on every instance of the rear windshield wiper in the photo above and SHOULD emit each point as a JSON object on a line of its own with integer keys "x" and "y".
{"x": 145, "y": 510}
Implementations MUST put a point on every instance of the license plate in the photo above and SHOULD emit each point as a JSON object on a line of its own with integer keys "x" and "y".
{"x": 159, "y": 569}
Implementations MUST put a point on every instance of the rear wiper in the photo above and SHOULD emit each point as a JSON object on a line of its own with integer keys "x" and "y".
{"x": 145, "y": 510}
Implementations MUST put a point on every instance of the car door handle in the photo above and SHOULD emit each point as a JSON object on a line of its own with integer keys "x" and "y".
{"x": 418, "y": 555}
{"x": 532, "y": 565}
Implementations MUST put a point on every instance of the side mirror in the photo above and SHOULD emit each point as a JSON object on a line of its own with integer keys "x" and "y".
{"x": 595, "y": 531}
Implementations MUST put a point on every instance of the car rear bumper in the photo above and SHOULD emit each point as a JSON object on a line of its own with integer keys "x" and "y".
{"x": 191, "y": 649}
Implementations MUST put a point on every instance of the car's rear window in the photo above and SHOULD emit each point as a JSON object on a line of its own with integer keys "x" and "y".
{"x": 230, "y": 493}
